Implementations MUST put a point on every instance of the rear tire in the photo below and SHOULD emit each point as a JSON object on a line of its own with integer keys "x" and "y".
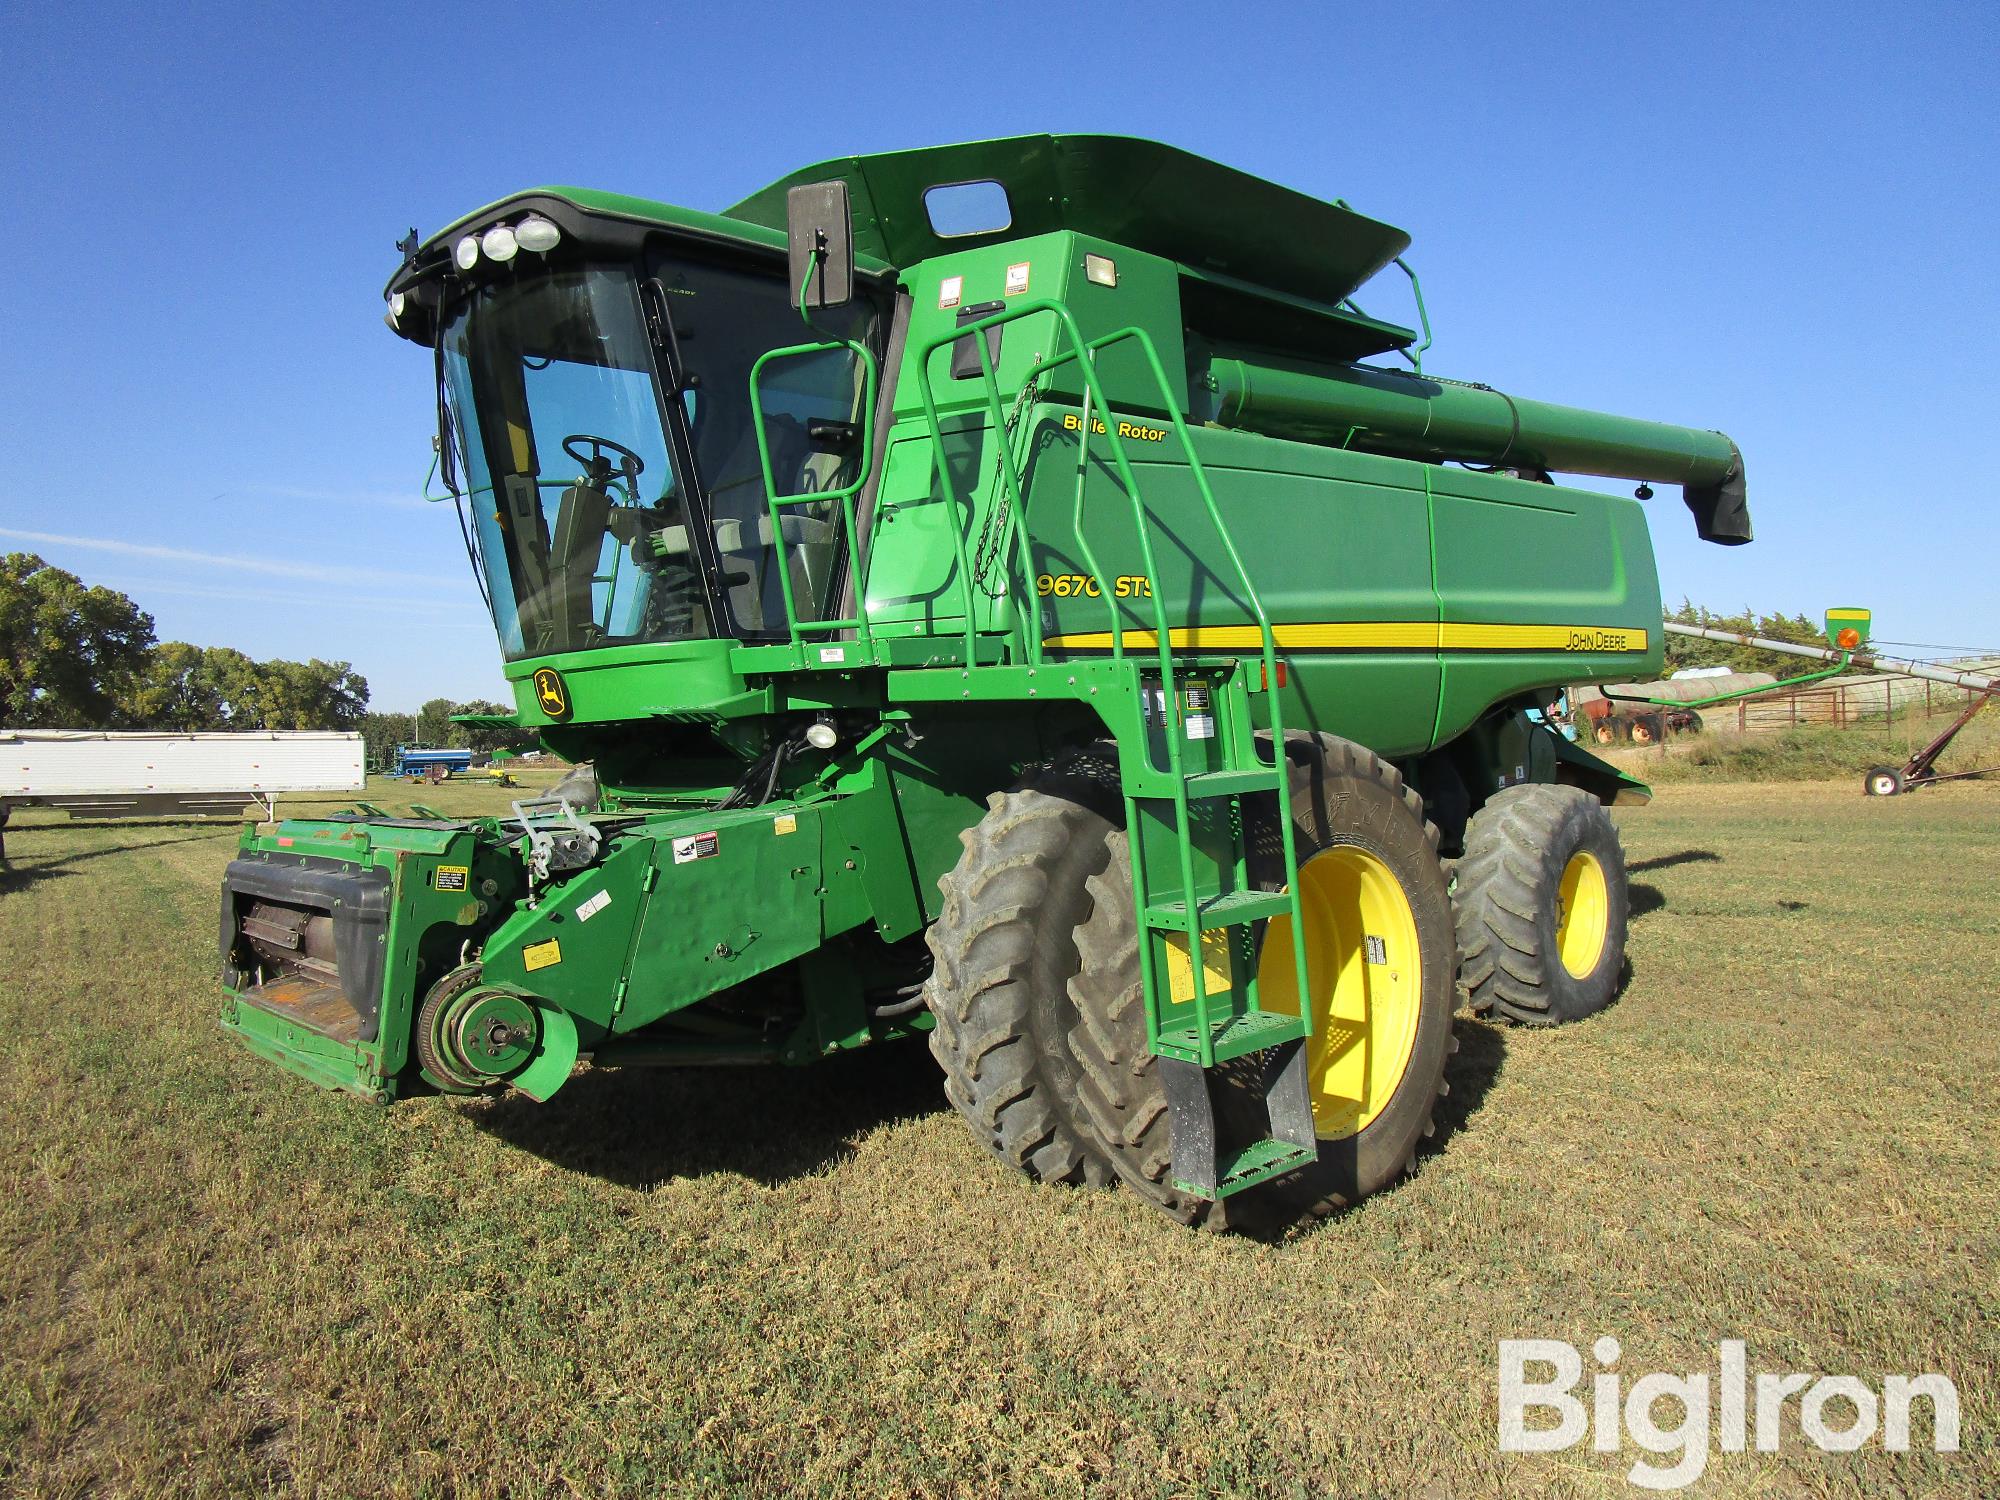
{"x": 1539, "y": 861}
{"x": 1005, "y": 949}
{"x": 1342, "y": 795}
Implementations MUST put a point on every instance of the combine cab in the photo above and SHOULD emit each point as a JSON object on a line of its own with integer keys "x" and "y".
{"x": 1009, "y": 592}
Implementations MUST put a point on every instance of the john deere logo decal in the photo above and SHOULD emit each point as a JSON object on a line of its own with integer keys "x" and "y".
{"x": 550, "y": 694}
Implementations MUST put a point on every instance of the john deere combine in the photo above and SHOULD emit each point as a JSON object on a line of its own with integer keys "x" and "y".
{"x": 1009, "y": 591}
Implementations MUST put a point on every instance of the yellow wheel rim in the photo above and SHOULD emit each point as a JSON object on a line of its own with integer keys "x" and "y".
{"x": 1583, "y": 914}
{"x": 1365, "y": 972}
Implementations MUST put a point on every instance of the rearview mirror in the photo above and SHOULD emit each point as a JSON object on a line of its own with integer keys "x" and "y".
{"x": 821, "y": 229}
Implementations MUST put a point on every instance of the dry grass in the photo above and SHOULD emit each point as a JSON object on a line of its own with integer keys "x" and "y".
{"x": 1814, "y": 752}
{"x": 220, "y": 1280}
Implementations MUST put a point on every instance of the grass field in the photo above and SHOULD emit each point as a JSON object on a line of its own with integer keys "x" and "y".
{"x": 221, "y": 1280}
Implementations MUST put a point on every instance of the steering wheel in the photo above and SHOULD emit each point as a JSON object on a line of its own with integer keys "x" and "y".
{"x": 633, "y": 465}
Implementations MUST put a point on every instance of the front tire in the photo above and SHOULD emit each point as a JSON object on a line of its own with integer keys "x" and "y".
{"x": 1542, "y": 905}
{"x": 1005, "y": 949}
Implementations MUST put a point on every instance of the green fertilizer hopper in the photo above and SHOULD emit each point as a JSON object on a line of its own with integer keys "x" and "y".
{"x": 1008, "y": 592}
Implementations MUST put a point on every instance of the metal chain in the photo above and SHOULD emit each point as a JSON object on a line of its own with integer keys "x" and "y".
{"x": 991, "y": 536}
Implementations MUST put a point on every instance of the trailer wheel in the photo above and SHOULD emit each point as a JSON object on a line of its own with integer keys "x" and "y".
{"x": 1645, "y": 729}
{"x": 1542, "y": 905}
{"x": 1369, "y": 868}
{"x": 1606, "y": 731}
{"x": 1005, "y": 948}
{"x": 1882, "y": 781}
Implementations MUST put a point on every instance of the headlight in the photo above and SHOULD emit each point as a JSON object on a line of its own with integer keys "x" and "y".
{"x": 537, "y": 234}
{"x": 467, "y": 252}
{"x": 499, "y": 243}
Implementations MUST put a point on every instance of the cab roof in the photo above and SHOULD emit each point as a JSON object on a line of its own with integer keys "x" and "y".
{"x": 1138, "y": 193}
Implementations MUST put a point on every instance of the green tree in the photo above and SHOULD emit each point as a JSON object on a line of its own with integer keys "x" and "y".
{"x": 311, "y": 695}
{"x": 382, "y": 733}
{"x": 177, "y": 689}
{"x": 1692, "y": 651}
{"x": 69, "y": 655}
{"x": 434, "y": 726}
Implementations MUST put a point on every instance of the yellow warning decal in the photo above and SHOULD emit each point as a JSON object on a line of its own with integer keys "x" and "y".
{"x": 1379, "y": 635}
{"x": 1214, "y": 965}
{"x": 785, "y": 823}
{"x": 541, "y": 955}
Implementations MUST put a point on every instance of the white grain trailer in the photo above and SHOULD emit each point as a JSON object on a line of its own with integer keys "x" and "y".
{"x": 121, "y": 775}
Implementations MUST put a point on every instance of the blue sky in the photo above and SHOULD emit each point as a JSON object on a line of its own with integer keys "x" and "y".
{"x": 1775, "y": 220}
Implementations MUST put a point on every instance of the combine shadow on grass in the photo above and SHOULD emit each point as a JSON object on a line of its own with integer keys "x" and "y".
{"x": 14, "y": 876}
{"x": 1470, "y": 1073}
{"x": 640, "y": 1127}
{"x": 1679, "y": 857}
{"x": 1646, "y": 899}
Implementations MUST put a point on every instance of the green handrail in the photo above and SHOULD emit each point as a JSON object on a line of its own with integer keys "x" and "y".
{"x": 1173, "y": 715}
{"x": 845, "y": 495}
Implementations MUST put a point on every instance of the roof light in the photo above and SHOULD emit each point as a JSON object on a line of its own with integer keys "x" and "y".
{"x": 467, "y": 252}
{"x": 499, "y": 243}
{"x": 1100, "y": 269}
{"x": 397, "y": 302}
{"x": 537, "y": 234}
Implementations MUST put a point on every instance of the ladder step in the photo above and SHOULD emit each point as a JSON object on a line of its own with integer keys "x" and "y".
{"x": 1236, "y": 909}
{"x": 1257, "y": 1162}
{"x": 1232, "y": 783}
{"x": 1234, "y": 1035}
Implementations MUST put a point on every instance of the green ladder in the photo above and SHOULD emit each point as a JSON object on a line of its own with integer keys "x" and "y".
{"x": 1199, "y": 906}
{"x": 1198, "y": 891}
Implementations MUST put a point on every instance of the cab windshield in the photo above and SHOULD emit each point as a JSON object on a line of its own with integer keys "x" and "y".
{"x": 609, "y": 511}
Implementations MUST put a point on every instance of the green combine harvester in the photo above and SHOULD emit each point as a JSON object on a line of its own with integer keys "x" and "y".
{"x": 1008, "y": 591}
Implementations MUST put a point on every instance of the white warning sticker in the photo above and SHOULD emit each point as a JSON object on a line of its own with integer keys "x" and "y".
{"x": 696, "y": 846}
{"x": 1017, "y": 278}
{"x": 586, "y": 909}
{"x": 1378, "y": 950}
{"x": 832, "y": 654}
{"x": 950, "y": 291}
{"x": 1201, "y": 726}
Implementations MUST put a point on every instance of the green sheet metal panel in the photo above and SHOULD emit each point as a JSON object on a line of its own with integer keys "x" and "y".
{"x": 1540, "y": 585}
{"x": 1146, "y": 295}
{"x": 1133, "y": 192}
{"x": 1339, "y": 546}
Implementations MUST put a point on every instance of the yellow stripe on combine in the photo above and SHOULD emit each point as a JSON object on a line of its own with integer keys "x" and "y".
{"x": 1376, "y": 635}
